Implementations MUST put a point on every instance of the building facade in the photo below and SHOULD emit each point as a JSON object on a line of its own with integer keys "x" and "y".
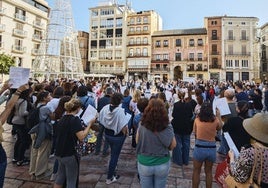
{"x": 83, "y": 38}
{"x": 141, "y": 26}
{"x": 177, "y": 54}
{"x": 264, "y": 52}
{"x": 22, "y": 27}
{"x": 238, "y": 38}
{"x": 214, "y": 39}
{"x": 107, "y": 39}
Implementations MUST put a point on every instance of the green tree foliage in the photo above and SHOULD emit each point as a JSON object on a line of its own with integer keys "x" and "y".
{"x": 6, "y": 61}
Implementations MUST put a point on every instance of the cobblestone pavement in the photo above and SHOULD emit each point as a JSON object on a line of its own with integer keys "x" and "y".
{"x": 93, "y": 170}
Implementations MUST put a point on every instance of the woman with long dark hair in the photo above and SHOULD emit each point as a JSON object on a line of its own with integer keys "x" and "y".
{"x": 205, "y": 128}
{"x": 155, "y": 138}
{"x": 23, "y": 138}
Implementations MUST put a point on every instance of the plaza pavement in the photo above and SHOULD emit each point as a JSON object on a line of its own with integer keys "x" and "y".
{"x": 93, "y": 170}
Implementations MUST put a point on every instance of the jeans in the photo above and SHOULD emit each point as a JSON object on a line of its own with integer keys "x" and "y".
{"x": 153, "y": 176}
{"x": 180, "y": 154}
{"x": 3, "y": 165}
{"x": 99, "y": 141}
{"x": 116, "y": 144}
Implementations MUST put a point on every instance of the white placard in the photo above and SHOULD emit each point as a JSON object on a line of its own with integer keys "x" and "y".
{"x": 222, "y": 105}
{"x": 18, "y": 76}
{"x": 89, "y": 114}
{"x": 231, "y": 144}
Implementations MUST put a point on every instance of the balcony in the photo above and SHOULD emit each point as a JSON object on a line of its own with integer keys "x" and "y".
{"x": 20, "y": 17}
{"x": 144, "y": 32}
{"x": 230, "y": 38}
{"x": 160, "y": 61}
{"x": 37, "y": 37}
{"x": 214, "y": 38}
{"x": 238, "y": 54}
{"x": 244, "y": 38}
{"x": 215, "y": 66}
{"x": 38, "y": 24}
{"x": 2, "y": 27}
{"x": 137, "y": 43}
{"x": 18, "y": 49}
{"x": 160, "y": 70}
{"x": 130, "y": 55}
{"x": 19, "y": 33}
{"x": 35, "y": 51}
{"x": 215, "y": 53}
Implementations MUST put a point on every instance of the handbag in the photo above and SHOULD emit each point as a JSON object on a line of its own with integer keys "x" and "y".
{"x": 232, "y": 183}
{"x": 222, "y": 171}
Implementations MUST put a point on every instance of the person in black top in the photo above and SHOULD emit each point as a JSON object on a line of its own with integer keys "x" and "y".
{"x": 234, "y": 126}
{"x": 69, "y": 130}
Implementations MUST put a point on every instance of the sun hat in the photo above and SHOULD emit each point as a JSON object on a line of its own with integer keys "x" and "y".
{"x": 257, "y": 127}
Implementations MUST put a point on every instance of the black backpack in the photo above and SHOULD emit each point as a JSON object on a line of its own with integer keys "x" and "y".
{"x": 33, "y": 117}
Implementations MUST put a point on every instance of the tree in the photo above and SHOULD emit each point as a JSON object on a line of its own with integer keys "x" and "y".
{"x": 6, "y": 61}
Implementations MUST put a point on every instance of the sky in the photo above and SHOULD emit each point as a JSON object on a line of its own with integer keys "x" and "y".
{"x": 178, "y": 14}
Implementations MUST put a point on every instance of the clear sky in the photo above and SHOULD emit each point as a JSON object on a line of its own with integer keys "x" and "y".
{"x": 179, "y": 14}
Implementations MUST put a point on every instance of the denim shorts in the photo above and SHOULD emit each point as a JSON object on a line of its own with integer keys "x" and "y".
{"x": 204, "y": 151}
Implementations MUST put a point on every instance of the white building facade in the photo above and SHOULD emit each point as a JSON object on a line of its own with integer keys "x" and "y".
{"x": 22, "y": 26}
{"x": 238, "y": 38}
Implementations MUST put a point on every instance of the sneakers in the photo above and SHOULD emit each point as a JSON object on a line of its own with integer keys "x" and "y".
{"x": 23, "y": 162}
{"x": 112, "y": 180}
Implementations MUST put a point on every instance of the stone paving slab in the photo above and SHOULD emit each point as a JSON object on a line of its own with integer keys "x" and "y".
{"x": 93, "y": 170}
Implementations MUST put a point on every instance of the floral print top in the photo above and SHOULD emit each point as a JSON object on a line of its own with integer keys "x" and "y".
{"x": 242, "y": 166}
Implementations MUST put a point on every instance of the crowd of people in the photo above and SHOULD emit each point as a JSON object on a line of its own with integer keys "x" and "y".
{"x": 160, "y": 117}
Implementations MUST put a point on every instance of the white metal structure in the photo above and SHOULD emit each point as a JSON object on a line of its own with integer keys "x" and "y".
{"x": 58, "y": 55}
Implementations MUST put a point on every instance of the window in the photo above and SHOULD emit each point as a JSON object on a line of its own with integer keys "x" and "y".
{"x": 191, "y": 56}
{"x": 230, "y": 49}
{"x": 132, "y": 20}
{"x": 214, "y": 49}
{"x": 131, "y": 29}
{"x": 244, "y": 63}
{"x": 178, "y": 56}
{"x": 118, "y": 43}
{"x": 1, "y": 42}
{"x": 165, "y": 43}
{"x": 109, "y": 43}
{"x": 20, "y": 14}
{"x": 145, "y": 40}
{"x": 214, "y": 62}
{"x": 243, "y": 35}
{"x": 200, "y": 56}
{"x": 230, "y": 23}
{"x": 94, "y": 13}
{"x": 145, "y": 51}
{"x": 110, "y": 22}
{"x": 93, "y": 54}
{"x": 214, "y": 35}
{"x": 145, "y": 19}
{"x": 191, "y": 42}
{"x": 106, "y": 11}
{"x": 118, "y": 54}
{"x": 157, "y": 43}
{"x": 138, "y": 40}
{"x": 19, "y": 61}
{"x": 131, "y": 41}
{"x": 200, "y": 42}
{"x": 236, "y": 63}
{"x": 145, "y": 28}
{"x": 166, "y": 56}
{"x": 244, "y": 49}
{"x": 119, "y": 22}
{"x": 245, "y": 75}
{"x": 178, "y": 42}
{"x": 157, "y": 57}
{"x": 138, "y": 52}
{"x": 230, "y": 35}
{"x": 243, "y": 23}
{"x": 94, "y": 35}
{"x": 229, "y": 63}
{"x": 213, "y": 22}
{"x": 139, "y": 20}
{"x": 131, "y": 52}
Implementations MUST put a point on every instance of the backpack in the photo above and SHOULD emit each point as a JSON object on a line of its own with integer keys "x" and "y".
{"x": 33, "y": 117}
{"x": 12, "y": 114}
